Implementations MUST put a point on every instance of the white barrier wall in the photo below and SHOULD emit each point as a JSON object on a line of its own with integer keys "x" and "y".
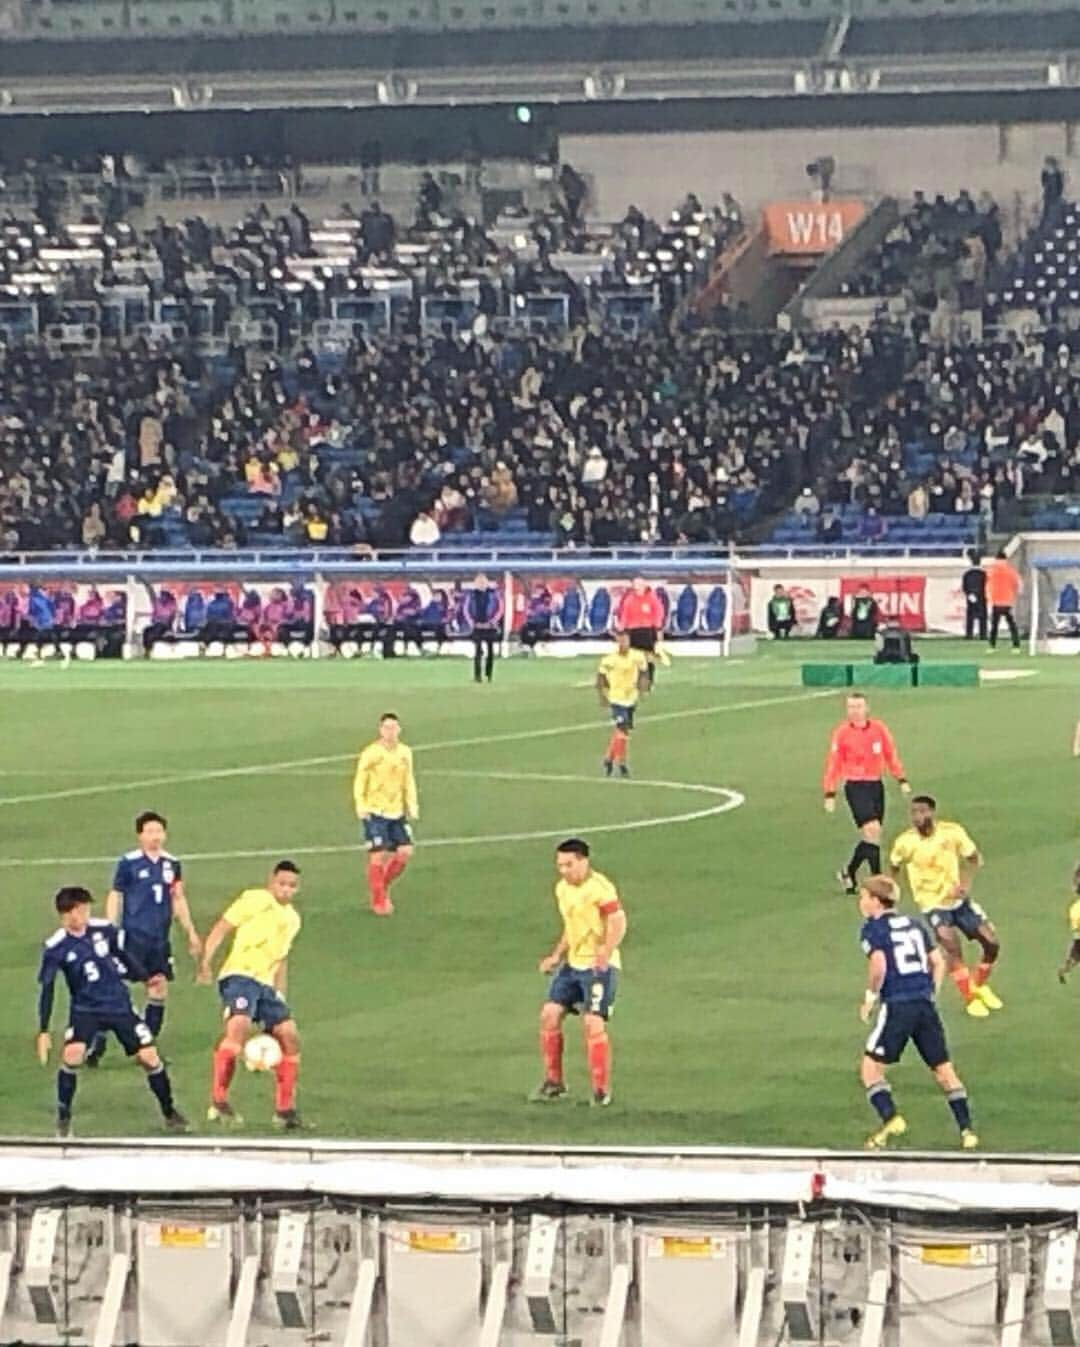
{"x": 191, "y": 1244}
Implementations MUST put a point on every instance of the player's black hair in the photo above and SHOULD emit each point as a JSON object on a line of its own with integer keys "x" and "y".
{"x": 70, "y": 897}
{"x": 1002, "y": 554}
{"x": 388, "y": 715}
{"x": 290, "y": 867}
{"x": 574, "y": 846}
{"x": 149, "y": 816}
{"x": 927, "y": 800}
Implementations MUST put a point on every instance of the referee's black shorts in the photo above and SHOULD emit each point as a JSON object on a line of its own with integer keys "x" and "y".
{"x": 866, "y": 800}
{"x": 642, "y": 638}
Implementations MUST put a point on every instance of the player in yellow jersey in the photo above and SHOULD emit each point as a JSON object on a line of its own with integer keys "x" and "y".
{"x": 384, "y": 792}
{"x": 263, "y": 924}
{"x": 585, "y": 963}
{"x": 1073, "y": 956}
{"x": 941, "y": 860}
{"x": 621, "y": 678}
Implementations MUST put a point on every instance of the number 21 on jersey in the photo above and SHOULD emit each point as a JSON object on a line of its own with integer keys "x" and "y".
{"x": 909, "y": 950}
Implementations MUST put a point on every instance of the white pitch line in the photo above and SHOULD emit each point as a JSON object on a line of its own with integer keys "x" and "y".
{"x": 515, "y": 736}
{"x": 729, "y": 799}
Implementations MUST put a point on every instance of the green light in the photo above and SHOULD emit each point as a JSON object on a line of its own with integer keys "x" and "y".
{"x": 523, "y": 114}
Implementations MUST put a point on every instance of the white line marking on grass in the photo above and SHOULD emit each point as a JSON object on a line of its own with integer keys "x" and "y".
{"x": 726, "y": 801}
{"x": 1005, "y": 675}
{"x": 271, "y": 768}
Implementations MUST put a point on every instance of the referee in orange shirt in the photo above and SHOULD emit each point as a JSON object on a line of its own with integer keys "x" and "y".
{"x": 861, "y": 751}
{"x": 641, "y": 616}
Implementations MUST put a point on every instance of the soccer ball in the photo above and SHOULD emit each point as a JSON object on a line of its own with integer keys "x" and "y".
{"x": 262, "y": 1053}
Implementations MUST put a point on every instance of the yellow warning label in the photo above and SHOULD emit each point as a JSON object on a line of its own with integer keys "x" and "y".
{"x": 182, "y": 1236}
{"x": 439, "y": 1241}
{"x": 687, "y": 1246}
{"x": 954, "y": 1255}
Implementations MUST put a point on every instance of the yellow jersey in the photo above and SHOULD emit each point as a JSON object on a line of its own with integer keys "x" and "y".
{"x": 933, "y": 863}
{"x": 1074, "y": 917}
{"x": 623, "y": 672}
{"x": 265, "y": 931}
{"x": 583, "y": 908}
{"x": 384, "y": 783}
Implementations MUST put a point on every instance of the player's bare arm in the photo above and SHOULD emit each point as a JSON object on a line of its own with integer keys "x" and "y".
{"x": 113, "y": 902}
{"x": 875, "y": 977}
{"x": 938, "y": 968}
{"x": 614, "y": 934}
{"x": 219, "y": 933}
{"x": 182, "y": 913}
{"x": 551, "y": 961}
{"x": 281, "y": 977}
{"x": 1076, "y": 740}
{"x": 602, "y": 689}
{"x": 968, "y": 866}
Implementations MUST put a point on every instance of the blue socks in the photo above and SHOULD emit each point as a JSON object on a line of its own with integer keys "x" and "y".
{"x": 66, "y": 1081}
{"x": 958, "y": 1102}
{"x": 154, "y": 1015}
{"x": 880, "y": 1099}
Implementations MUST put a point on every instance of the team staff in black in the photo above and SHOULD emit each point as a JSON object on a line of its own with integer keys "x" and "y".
{"x": 865, "y": 615}
{"x": 484, "y": 608}
{"x": 974, "y": 586}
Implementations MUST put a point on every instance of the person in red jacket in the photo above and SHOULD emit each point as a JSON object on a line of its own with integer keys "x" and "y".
{"x": 641, "y": 616}
{"x": 861, "y": 751}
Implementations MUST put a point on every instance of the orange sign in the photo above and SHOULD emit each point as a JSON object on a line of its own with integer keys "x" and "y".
{"x": 810, "y": 228}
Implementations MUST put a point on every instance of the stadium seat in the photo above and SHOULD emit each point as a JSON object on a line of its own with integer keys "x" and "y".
{"x": 686, "y": 612}
{"x": 714, "y": 611}
{"x": 567, "y": 616}
{"x": 600, "y": 612}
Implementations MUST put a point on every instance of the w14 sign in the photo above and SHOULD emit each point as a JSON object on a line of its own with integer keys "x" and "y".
{"x": 809, "y": 228}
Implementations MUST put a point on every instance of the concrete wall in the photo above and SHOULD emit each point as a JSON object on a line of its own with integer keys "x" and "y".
{"x": 656, "y": 171}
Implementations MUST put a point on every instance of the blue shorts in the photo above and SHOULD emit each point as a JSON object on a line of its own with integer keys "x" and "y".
{"x": 154, "y": 957}
{"x": 258, "y": 1001}
{"x": 623, "y": 716}
{"x": 386, "y": 834}
{"x": 966, "y": 917}
{"x": 901, "y": 1022}
{"x": 131, "y": 1033}
{"x": 584, "y": 990}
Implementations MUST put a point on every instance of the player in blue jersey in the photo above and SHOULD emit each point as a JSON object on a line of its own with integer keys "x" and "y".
{"x": 88, "y": 952}
{"x": 905, "y": 971}
{"x": 147, "y": 895}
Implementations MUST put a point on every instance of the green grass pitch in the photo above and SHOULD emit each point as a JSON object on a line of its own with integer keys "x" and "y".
{"x": 736, "y": 1022}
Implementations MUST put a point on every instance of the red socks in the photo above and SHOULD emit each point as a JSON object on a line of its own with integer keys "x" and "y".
{"x": 962, "y": 977}
{"x": 551, "y": 1047}
{"x": 981, "y": 973}
{"x": 600, "y": 1063}
{"x": 616, "y": 749}
{"x": 225, "y": 1055}
{"x": 376, "y": 878}
{"x": 395, "y": 866}
{"x": 286, "y": 1073}
{"x": 382, "y": 870}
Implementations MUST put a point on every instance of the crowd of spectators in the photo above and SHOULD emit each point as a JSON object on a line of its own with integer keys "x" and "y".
{"x": 678, "y": 433}
{"x": 935, "y": 247}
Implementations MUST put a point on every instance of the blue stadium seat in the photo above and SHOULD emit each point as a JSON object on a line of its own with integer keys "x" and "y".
{"x": 714, "y": 612}
{"x": 686, "y": 612}
{"x": 600, "y": 612}
{"x": 567, "y": 616}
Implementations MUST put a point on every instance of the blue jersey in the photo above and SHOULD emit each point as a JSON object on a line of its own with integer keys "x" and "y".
{"x": 146, "y": 887}
{"x": 906, "y": 943}
{"x": 90, "y": 968}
